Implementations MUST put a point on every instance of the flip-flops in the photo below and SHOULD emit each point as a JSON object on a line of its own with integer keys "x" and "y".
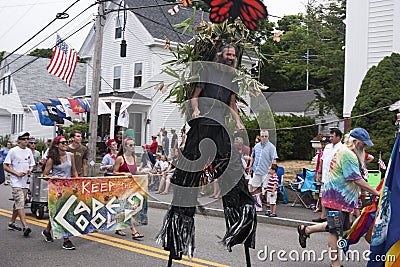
{"x": 137, "y": 235}
{"x": 119, "y": 232}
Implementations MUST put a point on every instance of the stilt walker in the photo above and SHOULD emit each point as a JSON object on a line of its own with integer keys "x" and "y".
{"x": 211, "y": 99}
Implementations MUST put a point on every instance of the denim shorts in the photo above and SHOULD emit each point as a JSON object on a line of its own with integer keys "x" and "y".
{"x": 344, "y": 219}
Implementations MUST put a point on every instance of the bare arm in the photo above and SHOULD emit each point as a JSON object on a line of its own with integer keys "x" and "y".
{"x": 369, "y": 159}
{"x": 251, "y": 164}
{"x": 195, "y": 102}
{"x": 364, "y": 185}
{"x": 49, "y": 166}
{"x": 235, "y": 113}
{"x": 8, "y": 169}
{"x": 73, "y": 168}
{"x": 118, "y": 163}
{"x": 84, "y": 167}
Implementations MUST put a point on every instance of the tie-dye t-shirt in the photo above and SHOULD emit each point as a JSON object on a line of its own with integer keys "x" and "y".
{"x": 341, "y": 192}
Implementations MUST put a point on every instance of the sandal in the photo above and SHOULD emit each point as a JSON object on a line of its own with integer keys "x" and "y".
{"x": 119, "y": 232}
{"x": 137, "y": 235}
{"x": 301, "y": 229}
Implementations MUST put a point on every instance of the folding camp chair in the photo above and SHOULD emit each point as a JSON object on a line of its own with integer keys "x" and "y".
{"x": 281, "y": 188}
{"x": 374, "y": 178}
{"x": 304, "y": 188}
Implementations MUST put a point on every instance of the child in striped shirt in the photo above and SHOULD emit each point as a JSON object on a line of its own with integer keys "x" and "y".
{"x": 272, "y": 187}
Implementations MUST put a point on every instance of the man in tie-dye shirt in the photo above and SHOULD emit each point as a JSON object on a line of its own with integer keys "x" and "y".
{"x": 340, "y": 192}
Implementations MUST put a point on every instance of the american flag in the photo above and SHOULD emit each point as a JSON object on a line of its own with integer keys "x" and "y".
{"x": 63, "y": 61}
{"x": 381, "y": 164}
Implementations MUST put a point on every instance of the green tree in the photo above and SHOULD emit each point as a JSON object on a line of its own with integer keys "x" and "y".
{"x": 80, "y": 126}
{"x": 379, "y": 88}
{"x": 1, "y": 55}
{"x": 321, "y": 32}
{"x": 290, "y": 143}
{"x": 47, "y": 53}
{"x": 41, "y": 52}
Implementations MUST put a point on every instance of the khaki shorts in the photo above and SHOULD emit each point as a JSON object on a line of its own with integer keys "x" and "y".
{"x": 259, "y": 179}
{"x": 19, "y": 195}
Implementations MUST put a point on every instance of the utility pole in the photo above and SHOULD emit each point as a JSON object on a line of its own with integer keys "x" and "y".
{"x": 307, "y": 70}
{"x": 94, "y": 109}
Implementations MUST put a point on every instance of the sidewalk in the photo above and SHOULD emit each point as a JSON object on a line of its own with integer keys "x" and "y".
{"x": 287, "y": 215}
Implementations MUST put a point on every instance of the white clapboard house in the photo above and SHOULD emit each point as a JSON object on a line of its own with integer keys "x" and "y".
{"x": 134, "y": 78}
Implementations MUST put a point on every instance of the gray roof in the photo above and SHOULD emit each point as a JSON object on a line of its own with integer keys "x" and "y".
{"x": 291, "y": 101}
{"x": 159, "y": 22}
{"x": 34, "y": 83}
{"x": 128, "y": 95}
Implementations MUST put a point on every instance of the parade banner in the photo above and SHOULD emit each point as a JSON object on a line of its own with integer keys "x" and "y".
{"x": 80, "y": 206}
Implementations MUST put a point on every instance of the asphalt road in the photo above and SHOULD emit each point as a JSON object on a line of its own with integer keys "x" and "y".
{"x": 107, "y": 249}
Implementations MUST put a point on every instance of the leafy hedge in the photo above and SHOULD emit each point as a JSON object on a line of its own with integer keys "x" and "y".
{"x": 379, "y": 89}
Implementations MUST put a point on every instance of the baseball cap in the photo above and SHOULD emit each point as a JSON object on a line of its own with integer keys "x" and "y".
{"x": 110, "y": 141}
{"x": 32, "y": 140}
{"x": 362, "y": 135}
{"x": 146, "y": 146}
{"x": 325, "y": 140}
{"x": 22, "y": 134}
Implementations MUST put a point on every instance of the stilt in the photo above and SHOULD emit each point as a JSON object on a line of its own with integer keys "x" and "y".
{"x": 247, "y": 253}
{"x": 170, "y": 260}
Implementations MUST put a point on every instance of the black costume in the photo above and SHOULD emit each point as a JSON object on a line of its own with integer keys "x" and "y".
{"x": 177, "y": 233}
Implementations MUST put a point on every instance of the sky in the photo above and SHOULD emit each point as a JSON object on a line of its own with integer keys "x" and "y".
{"x": 22, "y": 19}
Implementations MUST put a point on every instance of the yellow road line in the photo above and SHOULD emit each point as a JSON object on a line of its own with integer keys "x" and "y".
{"x": 126, "y": 244}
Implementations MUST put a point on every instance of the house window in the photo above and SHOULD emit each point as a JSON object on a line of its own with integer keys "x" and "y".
{"x": 136, "y": 120}
{"x": 2, "y": 86}
{"x": 9, "y": 85}
{"x": 118, "y": 27}
{"x": 117, "y": 78}
{"x": 16, "y": 123}
{"x": 138, "y": 73}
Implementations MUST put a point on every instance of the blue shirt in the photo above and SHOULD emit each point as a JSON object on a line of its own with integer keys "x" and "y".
{"x": 263, "y": 155}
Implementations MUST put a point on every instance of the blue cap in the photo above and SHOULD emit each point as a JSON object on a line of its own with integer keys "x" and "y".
{"x": 325, "y": 140}
{"x": 362, "y": 135}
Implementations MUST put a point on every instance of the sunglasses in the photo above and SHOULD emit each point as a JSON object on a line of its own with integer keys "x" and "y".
{"x": 264, "y": 136}
{"x": 63, "y": 142}
{"x": 24, "y": 138}
{"x": 32, "y": 142}
{"x": 131, "y": 145}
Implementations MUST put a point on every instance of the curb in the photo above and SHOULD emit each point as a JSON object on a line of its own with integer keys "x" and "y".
{"x": 220, "y": 213}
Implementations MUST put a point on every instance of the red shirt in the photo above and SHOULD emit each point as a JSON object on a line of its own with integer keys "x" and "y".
{"x": 154, "y": 146}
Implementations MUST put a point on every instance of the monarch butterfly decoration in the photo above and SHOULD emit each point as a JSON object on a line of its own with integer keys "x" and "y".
{"x": 249, "y": 11}
{"x": 174, "y": 10}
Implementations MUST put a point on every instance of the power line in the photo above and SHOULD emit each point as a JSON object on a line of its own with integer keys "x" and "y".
{"x": 322, "y": 123}
{"x": 33, "y": 60}
{"x": 149, "y": 19}
{"x": 48, "y": 36}
{"x": 38, "y": 32}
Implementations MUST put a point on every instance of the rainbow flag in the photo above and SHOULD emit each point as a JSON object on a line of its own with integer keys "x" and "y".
{"x": 385, "y": 241}
{"x": 362, "y": 224}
